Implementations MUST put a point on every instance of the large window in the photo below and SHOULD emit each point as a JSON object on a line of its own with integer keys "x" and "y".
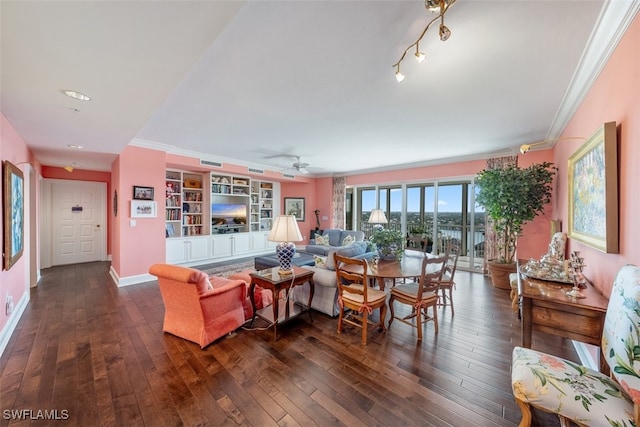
{"x": 442, "y": 211}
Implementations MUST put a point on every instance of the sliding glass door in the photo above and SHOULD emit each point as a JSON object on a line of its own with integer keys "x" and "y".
{"x": 445, "y": 212}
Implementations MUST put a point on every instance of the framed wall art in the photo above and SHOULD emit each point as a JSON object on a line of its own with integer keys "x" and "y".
{"x": 593, "y": 191}
{"x": 13, "y": 201}
{"x": 294, "y": 206}
{"x": 143, "y": 209}
{"x": 142, "y": 193}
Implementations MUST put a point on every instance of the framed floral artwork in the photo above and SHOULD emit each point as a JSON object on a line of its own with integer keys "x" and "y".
{"x": 294, "y": 206}
{"x": 593, "y": 191}
{"x": 13, "y": 201}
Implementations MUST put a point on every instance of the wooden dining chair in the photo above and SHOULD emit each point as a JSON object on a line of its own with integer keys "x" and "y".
{"x": 417, "y": 244}
{"x": 355, "y": 295}
{"x": 420, "y": 295}
{"x": 446, "y": 282}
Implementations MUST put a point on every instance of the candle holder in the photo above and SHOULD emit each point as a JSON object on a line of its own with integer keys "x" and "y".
{"x": 576, "y": 265}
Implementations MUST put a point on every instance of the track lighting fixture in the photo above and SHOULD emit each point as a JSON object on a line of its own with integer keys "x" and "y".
{"x": 435, "y": 6}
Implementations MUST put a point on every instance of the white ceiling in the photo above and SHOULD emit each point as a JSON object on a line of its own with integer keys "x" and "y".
{"x": 258, "y": 82}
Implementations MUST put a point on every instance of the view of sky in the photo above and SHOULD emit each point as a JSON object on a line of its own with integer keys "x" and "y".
{"x": 449, "y": 199}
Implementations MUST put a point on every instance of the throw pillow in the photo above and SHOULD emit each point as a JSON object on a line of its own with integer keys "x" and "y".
{"x": 354, "y": 250}
{"x": 322, "y": 240}
{"x": 348, "y": 240}
{"x": 321, "y": 261}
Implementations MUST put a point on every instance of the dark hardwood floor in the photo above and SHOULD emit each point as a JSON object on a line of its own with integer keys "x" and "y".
{"x": 97, "y": 353}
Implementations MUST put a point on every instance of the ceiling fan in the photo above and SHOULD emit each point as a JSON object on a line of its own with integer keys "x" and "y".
{"x": 300, "y": 166}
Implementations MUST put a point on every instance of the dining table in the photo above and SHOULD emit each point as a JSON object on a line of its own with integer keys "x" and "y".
{"x": 408, "y": 267}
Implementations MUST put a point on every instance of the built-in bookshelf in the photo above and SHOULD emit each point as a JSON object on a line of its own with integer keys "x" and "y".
{"x": 266, "y": 205}
{"x": 173, "y": 203}
{"x": 192, "y": 204}
{"x": 184, "y": 204}
{"x": 255, "y": 206}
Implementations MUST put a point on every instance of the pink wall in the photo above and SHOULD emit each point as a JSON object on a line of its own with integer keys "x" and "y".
{"x": 324, "y": 191}
{"x": 13, "y": 281}
{"x": 137, "y": 247}
{"x": 615, "y": 96}
{"x": 308, "y": 191}
{"x": 52, "y": 172}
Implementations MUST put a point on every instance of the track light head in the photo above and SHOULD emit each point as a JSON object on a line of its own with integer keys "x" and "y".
{"x": 445, "y": 32}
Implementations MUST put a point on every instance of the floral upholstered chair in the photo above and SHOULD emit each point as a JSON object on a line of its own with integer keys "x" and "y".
{"x": 582, "y": 395}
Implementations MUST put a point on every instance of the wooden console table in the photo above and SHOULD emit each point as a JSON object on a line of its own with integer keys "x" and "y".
{"x": 546, "y": 308}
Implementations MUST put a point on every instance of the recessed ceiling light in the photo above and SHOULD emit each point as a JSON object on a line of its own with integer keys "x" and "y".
{"x": 77, "y": 95}
{"x": 75, "y": 147}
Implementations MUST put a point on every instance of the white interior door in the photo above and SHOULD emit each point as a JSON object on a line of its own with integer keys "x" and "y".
{"x": 78, "y": 221}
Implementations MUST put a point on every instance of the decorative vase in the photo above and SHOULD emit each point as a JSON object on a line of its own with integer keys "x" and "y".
{"x": 500, "y": 272}
{"x": 388, "y": 253}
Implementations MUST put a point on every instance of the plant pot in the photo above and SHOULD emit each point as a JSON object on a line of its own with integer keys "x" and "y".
{"x": 500, "y": 272}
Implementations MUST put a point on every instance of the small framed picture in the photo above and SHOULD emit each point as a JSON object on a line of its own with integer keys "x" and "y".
{"x": 142, "y": 193}
{"x": 143, "y": 209}
{"x": 294, "y": 206}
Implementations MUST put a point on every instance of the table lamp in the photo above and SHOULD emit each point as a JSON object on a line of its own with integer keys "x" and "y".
{"x": 285, "y": 230}
{"x": 377, "y": 218}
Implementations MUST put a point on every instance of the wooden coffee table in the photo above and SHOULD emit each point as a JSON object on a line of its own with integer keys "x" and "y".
{"x": 281, "y": 310}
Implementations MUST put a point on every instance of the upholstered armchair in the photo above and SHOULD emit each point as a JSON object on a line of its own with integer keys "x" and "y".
{"x": 199, "y": 308}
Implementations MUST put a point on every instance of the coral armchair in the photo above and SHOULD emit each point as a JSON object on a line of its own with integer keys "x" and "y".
{"x": 199, "y": 308}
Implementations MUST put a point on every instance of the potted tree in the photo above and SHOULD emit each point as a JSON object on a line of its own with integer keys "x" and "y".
{"x": 512, "y": 197}
{"x": 388, "y": 242}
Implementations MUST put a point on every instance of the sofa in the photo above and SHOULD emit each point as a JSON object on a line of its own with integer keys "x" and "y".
{"x": 200, "y": 308}
{"x": 325, "y": 296}
{"x": 336, "y": 239}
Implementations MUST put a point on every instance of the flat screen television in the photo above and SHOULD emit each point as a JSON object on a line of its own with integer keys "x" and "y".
{"x": 228, "y": 213}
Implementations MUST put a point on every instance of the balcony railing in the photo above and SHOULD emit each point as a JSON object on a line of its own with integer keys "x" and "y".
{"x": 471, "y": 250}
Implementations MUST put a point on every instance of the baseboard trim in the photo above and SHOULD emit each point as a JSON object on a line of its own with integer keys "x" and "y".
{"x": 11, "y": 325}
{"x": 587, "y": 356}
{"x": 131, "y": 280}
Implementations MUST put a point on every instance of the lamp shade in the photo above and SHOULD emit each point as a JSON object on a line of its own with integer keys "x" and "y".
{"x": 285, "y": 229}
{"x": 377, "y": 217}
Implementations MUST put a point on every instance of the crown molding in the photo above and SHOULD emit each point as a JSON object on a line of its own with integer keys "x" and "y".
{"x": 613, "y": 22}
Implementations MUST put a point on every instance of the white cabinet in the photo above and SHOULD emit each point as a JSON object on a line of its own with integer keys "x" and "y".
{"x": 241, "y": 243}
{"x": 176, "y": 251}
{"x": 220, "y": 246}
{"x": 258, "y": 242}
{"x": 229, "y": 245}
{"x": 187, "y": 250}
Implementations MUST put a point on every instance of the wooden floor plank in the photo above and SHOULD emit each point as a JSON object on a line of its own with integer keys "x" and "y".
{"x": 99, "y": 352}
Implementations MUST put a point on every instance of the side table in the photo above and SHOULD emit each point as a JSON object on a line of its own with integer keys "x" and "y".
{"x": 270, "y": 279}
{"x": 547, "y": 308}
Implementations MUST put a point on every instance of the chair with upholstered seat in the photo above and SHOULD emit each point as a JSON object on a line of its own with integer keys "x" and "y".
{"x": 420, "y": 295}
{"x": 575, "y": 392}
{"x": 446, "y": 282}
{"x": 354, "y": 294}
